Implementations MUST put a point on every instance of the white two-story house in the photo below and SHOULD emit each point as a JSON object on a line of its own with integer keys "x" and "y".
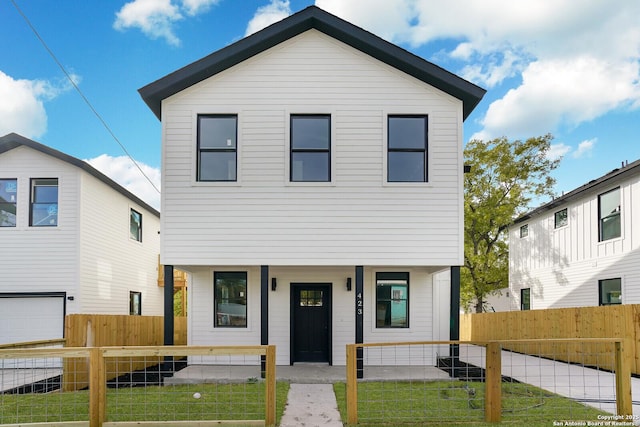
{"x": 71, "y": 241}
{"x": 581, "y": 249}
{"x": 312, "y": 186}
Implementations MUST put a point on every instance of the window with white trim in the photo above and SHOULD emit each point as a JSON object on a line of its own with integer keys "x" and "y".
{"x": 8, "y": 202}
{"x": 392, "y": 300}
{"x": 217, "y": 147}
{"x": 44, "y": 202}
{"x": 407, "y": 153}
{"x": 310, "y": 148}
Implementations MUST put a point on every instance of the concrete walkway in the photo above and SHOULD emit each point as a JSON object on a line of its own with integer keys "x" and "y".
{"x": 311, "y": 405}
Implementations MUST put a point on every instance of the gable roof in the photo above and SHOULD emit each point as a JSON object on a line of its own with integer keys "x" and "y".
{"x": 13, "y": 140}
{"x": 312, "y": 17}
{"x": 623, "y": 172}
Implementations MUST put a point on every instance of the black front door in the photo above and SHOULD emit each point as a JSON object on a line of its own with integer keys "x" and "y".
{"x": 310, "y": 322}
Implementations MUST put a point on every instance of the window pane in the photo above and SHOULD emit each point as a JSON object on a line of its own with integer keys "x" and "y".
{"x": 610, "y": 227}
{"x": 217, "y": 132}
{"x": 408, "y": 132}
{"x": 135, "y": 303}
{"x": 524, "y": 230}
{"x": 230, "y": 299}
{"x": 610, "y": 291}
{"x": 8, "y": 200}
{"x": 44, "y": 202}
{"x": 392, "y": 300}
{"x": 406, "y": 166}
{"x": 218, "y": 166}
{"x": 525, "y": 299}
{"x": 135, "y": 226}
{"x": 561, "y": 218}
{"x": 310, "y": 132}
{"x": 310, "y": 166}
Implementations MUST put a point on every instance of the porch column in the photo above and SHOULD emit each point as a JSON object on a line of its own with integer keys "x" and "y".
{"x": 359, "y": 320}
{"x": 454, "y": 324}
{"x": 264, "y": 315}
{"x": 168, "y": 305}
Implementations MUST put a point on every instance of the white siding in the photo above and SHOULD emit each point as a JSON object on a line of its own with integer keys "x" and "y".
{"x": 357, "y": 219}
{"x": 40, "y": 259}
{"x": 112, "y": 263}
{"x": 563, "y": 266}
{"x": 421, "y": 311}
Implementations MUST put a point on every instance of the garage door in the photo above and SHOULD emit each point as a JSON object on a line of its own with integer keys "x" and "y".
{"x": 31, "y": 317}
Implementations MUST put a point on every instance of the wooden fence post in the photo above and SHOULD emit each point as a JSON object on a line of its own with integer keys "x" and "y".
{"x": 270, "y": 398}
{"x": 493, "y": 386}
{"x": 623, "y": 378}
{"x": 97, "y": 388}
{"x": 352, "y": 385}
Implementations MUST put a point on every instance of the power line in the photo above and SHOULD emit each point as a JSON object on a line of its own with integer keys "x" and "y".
{"x": 86, "y": 100}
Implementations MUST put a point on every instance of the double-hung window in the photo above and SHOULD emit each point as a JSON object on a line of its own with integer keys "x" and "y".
{"x": 310, "y": 148}
{"x": 609, "y": 215}
{"x": 392, "y": 300}
{"x": 230, "y": 294}
{"x": 560, "y": 218}
{"x": 407, "y": 153}
{"x": 135, "y": 225}
{"x": 524, "y": 230}
{"x": 217, "y": 147}
{"x": 8, "y": 202}
{"x": 44, "y": 202}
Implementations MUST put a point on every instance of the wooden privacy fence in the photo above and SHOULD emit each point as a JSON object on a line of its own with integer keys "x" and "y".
{"x": 103, "y": 330}
{"x": 615, "y": 321}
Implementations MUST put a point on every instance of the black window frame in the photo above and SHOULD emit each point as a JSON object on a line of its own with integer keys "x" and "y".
{"x": 601, "y": 294}
{"x": 293, "y": 150}
{"x": 201, "y": 150}
{"x": 380, "y": 300}
{"x": 560, "y": 224}
{"x": 218, "y": 320}
{"x": 525, "y": 303}
{"x": 424, "y": 150}
{"x": 8, "y": 206}
{"x": 614, "y": 215}
{"x": 33, "y": 185}
{"x": 524, "y": 231}
{"x": 138, "y": 237}
{"x": 135, "y": 309}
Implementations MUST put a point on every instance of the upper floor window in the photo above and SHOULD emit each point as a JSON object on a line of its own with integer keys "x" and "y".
{"x": 135, "y": 225}
{"x": 44, "y": 202}
{"x": 525, "y": 299}
{"x": 560, "y": 218}
{"x": 392, "y": 300}
{"x": 609, "y": 215}
{"x": 524, "y": 230}
{"x": 407, "y": 149}
{"x": 8, "y": 200}
{"x": 217, "y": 147}
{"x": 230, "y": 294}
{"x": 310, "y": 148}
{"x": 610, "y": 291}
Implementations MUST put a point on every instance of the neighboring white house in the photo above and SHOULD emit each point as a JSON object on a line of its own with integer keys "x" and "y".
{"x": 71, "y": 241}
{"x": 581, "y": 249}
{"x": 313, "y": 188}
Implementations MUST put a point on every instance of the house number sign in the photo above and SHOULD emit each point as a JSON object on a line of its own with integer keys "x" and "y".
{"x": 359, "y": 304}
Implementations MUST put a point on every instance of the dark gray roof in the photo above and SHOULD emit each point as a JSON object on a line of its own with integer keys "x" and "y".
{"x": 13, "y": 140}
{"x": 616, "y": 175}
{"x": 312, "y": 18}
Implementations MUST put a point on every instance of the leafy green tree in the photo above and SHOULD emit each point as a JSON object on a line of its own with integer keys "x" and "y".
{"x": 505, "y": 177}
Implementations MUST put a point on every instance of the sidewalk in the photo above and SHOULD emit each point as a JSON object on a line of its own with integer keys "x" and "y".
{"x": 311, "y": 405}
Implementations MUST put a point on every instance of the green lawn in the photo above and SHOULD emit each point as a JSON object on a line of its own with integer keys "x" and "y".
{"x": 168, "y": 403}
{"x": 457, "y": 403}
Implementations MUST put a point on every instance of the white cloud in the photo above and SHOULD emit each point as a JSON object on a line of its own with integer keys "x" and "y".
{"x": 575, "y": 63}
{"x": 584, "y": 148}
{"x": 275, "y": 11}
{"x": 155, "y": 18}
{"x": 557, "y": 151}
{"x": 122, "y": 170}
{"x": 22, "y": 104}
{"x": 196, "y": 7}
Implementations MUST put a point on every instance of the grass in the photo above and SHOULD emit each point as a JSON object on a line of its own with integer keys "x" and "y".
{"x": 458, "y": 403}
{"x": 162, "y": 403}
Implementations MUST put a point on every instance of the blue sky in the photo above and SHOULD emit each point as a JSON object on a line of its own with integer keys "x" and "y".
{"x": 548, "y": 67}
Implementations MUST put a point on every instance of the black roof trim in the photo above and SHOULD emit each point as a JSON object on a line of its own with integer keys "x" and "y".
{"x": 312, "y": 17}
{"x": 622, "y": 172}
{"x": 13, "y": 140}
